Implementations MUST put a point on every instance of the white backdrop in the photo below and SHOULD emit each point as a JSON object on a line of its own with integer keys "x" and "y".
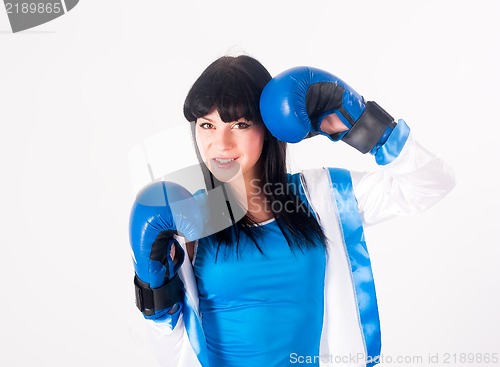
{"x": 79, "y": 93}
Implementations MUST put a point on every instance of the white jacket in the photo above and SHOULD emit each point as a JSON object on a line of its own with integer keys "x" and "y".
{"x": 343, "y": 201}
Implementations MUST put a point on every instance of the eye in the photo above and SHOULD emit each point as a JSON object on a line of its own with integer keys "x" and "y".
{"x": 241, "y": 125}
{"x": 205, "y": 125}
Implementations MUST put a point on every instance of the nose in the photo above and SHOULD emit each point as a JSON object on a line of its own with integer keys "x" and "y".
{"x": 223, "y": 139}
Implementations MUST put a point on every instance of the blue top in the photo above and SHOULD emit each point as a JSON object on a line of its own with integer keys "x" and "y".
{"x": 261, "y": 309}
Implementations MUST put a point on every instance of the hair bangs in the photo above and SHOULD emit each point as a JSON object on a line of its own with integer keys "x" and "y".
{"x": 228, "y": 90}
{"x": 237, "y": 99}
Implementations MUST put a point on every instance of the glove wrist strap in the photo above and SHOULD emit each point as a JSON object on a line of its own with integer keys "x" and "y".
{"x": 365, "y": 133}
{"x": 148, "y": 300}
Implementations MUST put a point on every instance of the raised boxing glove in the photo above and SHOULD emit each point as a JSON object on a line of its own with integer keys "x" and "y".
{"x": 294, "y": 103}
{"x": 161, "y": 210}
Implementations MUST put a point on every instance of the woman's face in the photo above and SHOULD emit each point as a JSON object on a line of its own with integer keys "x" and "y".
{"x": 229, "y": 148}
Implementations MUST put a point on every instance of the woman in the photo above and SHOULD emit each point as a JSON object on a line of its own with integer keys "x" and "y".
{"x": 264, "y": 290}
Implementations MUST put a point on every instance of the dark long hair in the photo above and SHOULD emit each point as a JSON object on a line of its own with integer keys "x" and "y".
{"x": 232, "y": 86}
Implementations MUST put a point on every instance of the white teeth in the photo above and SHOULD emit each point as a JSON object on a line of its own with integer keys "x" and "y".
{"x": 220, "y": 160}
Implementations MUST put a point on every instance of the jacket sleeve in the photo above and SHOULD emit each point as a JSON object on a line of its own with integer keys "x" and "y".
{"x": 168, "y": 337}
{"x": 414, "y": 180}
{"x": 171, "y": 347}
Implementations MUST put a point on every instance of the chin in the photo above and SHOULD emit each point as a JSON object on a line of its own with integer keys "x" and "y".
{"x": 226, "y": 174}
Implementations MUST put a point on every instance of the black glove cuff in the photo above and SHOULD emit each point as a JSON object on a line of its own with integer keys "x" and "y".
{"x": 148, "y": 300}
{"x": 369, "y": 128}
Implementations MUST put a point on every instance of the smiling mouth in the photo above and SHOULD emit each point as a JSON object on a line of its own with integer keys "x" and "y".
{"x": 224, "y": 162}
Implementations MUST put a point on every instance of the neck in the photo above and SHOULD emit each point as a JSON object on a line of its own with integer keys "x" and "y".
{"x": 250, "y": 193}
{"x": 258, "y": 204}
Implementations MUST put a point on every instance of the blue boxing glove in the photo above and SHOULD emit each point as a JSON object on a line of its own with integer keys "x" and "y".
{"x": 161, "y": 210}
{"x": 294, "y": 103}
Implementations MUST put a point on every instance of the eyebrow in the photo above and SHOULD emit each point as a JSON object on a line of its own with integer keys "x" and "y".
{"x": 211, "y": 120}
{"x": 206, "y": 118}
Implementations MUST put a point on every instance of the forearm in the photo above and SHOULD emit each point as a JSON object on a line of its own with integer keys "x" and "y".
{"x": 414, "y": 181}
